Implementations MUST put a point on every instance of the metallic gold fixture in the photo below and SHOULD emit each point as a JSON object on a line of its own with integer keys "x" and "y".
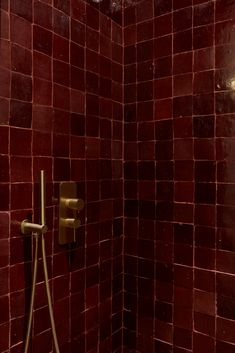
{"x": 39, "y": 230}
{"x": 69, "y": 206}
{"x": 27, "y": 226}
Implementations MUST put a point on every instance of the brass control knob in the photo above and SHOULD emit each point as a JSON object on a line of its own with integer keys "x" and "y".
{"x": 74, "y": 204}
{"x": 70, "y": 222}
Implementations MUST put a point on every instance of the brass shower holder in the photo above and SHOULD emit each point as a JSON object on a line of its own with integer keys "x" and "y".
{"x": 27, "y": 227}
{"x": 69, "y": 206}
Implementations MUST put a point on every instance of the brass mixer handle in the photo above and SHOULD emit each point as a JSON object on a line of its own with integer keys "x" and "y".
{"x": 74, "y": 204}
{"x": 70, "y": 222}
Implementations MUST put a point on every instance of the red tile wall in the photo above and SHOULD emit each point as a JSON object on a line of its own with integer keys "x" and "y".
{"x": 61, "y": 110}
{"x": 179, "y": 176}
{"x": 61, "y": 106}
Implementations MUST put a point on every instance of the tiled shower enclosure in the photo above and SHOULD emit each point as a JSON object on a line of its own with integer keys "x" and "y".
{"x": 135, "y": 102}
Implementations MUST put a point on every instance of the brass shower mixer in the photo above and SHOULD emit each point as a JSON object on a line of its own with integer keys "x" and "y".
{"x": 69, "y": 207}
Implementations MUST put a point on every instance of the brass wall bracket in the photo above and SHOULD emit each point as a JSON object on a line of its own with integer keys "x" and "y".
{"x": 28, "y": 227}
{"x": 69, "y": 206}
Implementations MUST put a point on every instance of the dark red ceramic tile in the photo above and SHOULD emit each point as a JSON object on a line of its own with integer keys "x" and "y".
{"x": 18, "y": 173}
{"x": 43, "y": 15}
{"x": 61, "y": 121}
{"x": 4, "y": 24}
{"x": 223, "y": 55}
{"x": 204, "y": 59}
{"x": 161, "y": 50}
{"x": 182, "y": 106}
{"x": 4, "y": 131}
{"x": 42, "y": 92}
{"x": 177, "y": 4}
{"x": 205, "y": 280}
{"x": 203, "y": 82}
{"x": 61, "y": 73}
{"x": 204, "y": 149}
{"x": 183, "y": 127}
{"x": 42, "y": 40}
{"x": 21, "y": 60}
{"x": 224, "y": 10}
{"x": 205, "y": 324}
{"x": 5, "y": 54}
{"x": 77, "y": 32}
{"x": 205, "y": 215}
{"x": 144, "y": 50}
{"x": 163, "y": 88}
{"x": 205, "y": 193}
{"x": 4, "y": 341}
{"x": 78, "y": 10}
{"x": 92, "y": 39}
{"x": 42, "y": 66}
{"x": 42, "y": 118}
{"x": 162, "y": 7}
{"x": 182, "y": 63}
{"x": 76, "y": 55}
{"x": 183, "y": 276}
{"x": 41, "y": 143}
{"x": 203, "y": 14}
{"x": 23, "y": 10}
{"x": 182, "y": 85}
{"x": 221, "y": 106}
{"x": 61, "y": 169}
{"x": 5, "y": 110}
{"x": 20, "y": 250}
{"x": 20, "y": 196}
{"x": 224, "y": 149}
{"x": 163, "y": 25}
{"x": 77, "y": 102}
{"x": 202, "y": 36}
{"x": 222, "y": 346}
{"x": 224, "y": 330}
{"x": 224, "y": 32}
{"x": 63, "y": 6}
{"x": 182, "y": 338}
{"x": 20, "y": 141}
{"x": 61, "y": 23}
{"x": 225, "y": 261}
{"x": 182, "y": 41}
{"x": 225, "y": 193}
{"x": 145, "y": 31}
{"x": 21, "y": 87}
{"x": 182, "y": 19}
{"x": 200, "y": 341}
{"x": 4, "y": 258}
{"x": 20, "y": 31}
{"x": 42, "y": 340}
{"x": 61, "y": 48}
{"x": 20, "y": 113}
{"x": 183, "y": 149}
{"x": 5, "y": 83}
{"x": 61, "y": 97}
{"x": 204, "y": 302}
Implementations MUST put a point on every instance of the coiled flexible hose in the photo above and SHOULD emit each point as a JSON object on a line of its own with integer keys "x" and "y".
{"x": 42, "y": 192}
{"x": 49, "y": 296}
{"x": 35, "y": 269}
